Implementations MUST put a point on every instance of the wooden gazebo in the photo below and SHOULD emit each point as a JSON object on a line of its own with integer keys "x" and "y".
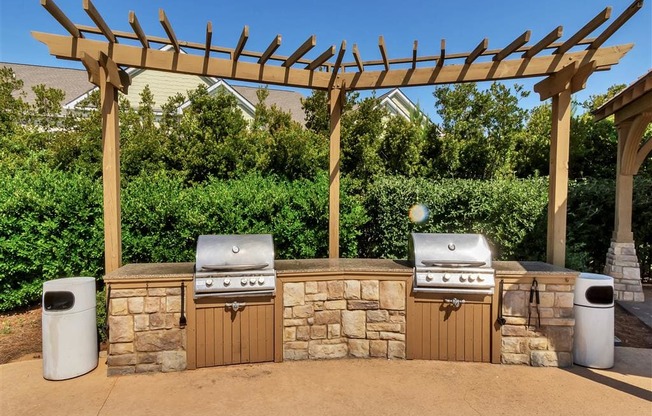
{"x": 565, "y": 65}
{"x": 632, "y": 111}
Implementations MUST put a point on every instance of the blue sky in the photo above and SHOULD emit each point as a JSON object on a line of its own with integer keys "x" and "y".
{"x": 462, "y": 23}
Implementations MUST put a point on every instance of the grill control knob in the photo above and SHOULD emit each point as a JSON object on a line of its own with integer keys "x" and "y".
{"x": 429, "y": 277}
{"x": 252, "y": 280}
{"x": 472, "y": 277}
{"x": 243, "y": 281}
{"x": 209, "y": 282}
{"x": 480, "y": 278}
{"x": 227, "y": 281}
{"x": 261, "y": 280}
{"x": 446, "y": 277}
{"x": 462, "y": 278}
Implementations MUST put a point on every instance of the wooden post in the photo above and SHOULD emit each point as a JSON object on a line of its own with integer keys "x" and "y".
{"x": 335, "y": 101}
{"x": 110, "y": 172}
{"x": 624, "y": 192}
{"x": 558, "y": 187}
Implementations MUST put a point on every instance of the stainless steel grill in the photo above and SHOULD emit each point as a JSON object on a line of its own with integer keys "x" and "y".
{"x": 235, "y": 266}
{"x": 451, "y": 263}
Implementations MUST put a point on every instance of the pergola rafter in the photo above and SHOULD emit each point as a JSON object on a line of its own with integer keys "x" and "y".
{"x": 565, "y": 68}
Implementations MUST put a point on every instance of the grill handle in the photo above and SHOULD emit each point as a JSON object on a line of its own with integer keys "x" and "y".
{"x": 455, "y": 301}
{"x": 235, "y": 306}
{"x": 452, "y": 263}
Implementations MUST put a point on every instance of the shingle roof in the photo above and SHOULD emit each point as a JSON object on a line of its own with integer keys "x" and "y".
{"x": 73, "y": 82}
{"x": 289, "y": 101}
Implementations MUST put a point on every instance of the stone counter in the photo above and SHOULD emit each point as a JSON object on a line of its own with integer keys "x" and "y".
{"x": 332, "y": 308}
{"x": 551, "y": 343}
{"x": 343, "y": 308}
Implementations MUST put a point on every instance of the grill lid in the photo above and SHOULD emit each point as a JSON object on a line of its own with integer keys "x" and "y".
{"x": 234, "y": 252}
{"x": 448, "y": 250}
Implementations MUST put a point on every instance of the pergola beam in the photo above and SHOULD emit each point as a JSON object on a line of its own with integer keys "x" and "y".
{"x": 325, "y": 56}
{"x": 482, "y": 46}
{"x": 544, "y": 43}
{"x": 336, "y": 67}
{"x": 301, "y": 50}
{"x": 414, "y": 54}
{"x": 241, "y": 44}
{"x": 168, "y": 29}
{"x": 135, "y": 25}
{"x": 60, "y": 17}
{"x": 383, "y": 52}
{"x": 67, "y": 47}
{"x": 598, "y": 20}
{"x": 273, "y": 46}
{"x": 512, "y": 47}
{"x": 442, "y": 53}
{"x": 209, "y": 39}
{"x": 356, "y": 56}
{"x": 616, "y": 24}
{"x": 95, "y": 16}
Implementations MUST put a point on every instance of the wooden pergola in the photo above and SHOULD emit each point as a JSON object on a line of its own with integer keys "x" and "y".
{"x": 565, "y": 64}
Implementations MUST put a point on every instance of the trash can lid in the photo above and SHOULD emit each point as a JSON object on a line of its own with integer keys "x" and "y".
{"x": 595, "y": 276}
{"x": 82, "y": 290}
{"x": 595, "y": 290}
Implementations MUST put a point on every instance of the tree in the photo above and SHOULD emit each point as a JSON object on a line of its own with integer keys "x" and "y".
{"x": 402, "y": 145}
{"x": 479, "y": 129}
{"x": 362, "y": 138}
{"x": 209, "y": 128}
{"x": 11, "y": 108}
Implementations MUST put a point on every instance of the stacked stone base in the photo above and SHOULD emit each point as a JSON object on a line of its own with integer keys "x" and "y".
{"x": 144, "y": 332}
{"x": 548, "y": 345}
{"x": 344, "y": 318}
{"x": 622, "y": 264}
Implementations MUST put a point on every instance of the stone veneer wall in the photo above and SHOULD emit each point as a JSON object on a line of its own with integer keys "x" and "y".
{"x": 144, "y": 332}
{"x": 344, "y": 318}
{"x": 549, "y": 345}
{"x": 622, "y": 264}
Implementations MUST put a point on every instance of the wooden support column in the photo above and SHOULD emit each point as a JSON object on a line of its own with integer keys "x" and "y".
{"x": 104, "y": 73}
{"x": 558, "y": 187}
{"x": 111, "y": 174}
{"x": 335, "y": 104}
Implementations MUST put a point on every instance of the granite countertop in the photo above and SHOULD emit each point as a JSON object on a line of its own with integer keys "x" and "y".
{"x": 184, "y": 271}
{"x": 152, "y": 272}
{"x": 342, "y": 265}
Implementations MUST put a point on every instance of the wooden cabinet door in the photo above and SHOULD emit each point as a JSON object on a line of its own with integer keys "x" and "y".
{"x": 223, "y": 336}
{"x": 437, "y": 330}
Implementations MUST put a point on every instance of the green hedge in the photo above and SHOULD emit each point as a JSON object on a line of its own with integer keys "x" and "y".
{"x": 506, "y": 211}
{"x": 511, "y": 213}
{"x": 50, "y": 226}
{"x": 51, "y": 222}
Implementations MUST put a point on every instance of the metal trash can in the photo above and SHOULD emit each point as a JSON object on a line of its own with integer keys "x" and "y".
{"x": 69, "y": 327}
{"x": 594, "y": 321}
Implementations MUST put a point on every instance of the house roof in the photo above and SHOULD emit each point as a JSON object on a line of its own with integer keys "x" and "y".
{"x": 73, "y": 82}
{"x": 285, "y": 100}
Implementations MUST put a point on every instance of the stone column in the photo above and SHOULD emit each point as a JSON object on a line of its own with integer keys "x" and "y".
{"x": 622, "y": 264}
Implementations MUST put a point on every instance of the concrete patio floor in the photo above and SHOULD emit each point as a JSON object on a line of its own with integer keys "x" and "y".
{"x": 340, "y": 387}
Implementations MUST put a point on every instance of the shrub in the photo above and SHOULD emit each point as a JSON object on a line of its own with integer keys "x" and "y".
{"x": 506, "y": 211}
{"x": 50, "y": 226}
